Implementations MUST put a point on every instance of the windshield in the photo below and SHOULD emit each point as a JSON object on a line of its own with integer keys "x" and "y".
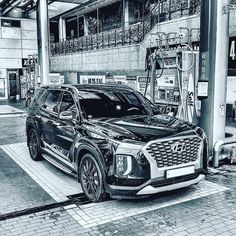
{"x": 112, "y": 104}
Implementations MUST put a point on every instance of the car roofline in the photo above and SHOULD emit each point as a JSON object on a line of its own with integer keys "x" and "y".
{"x": 92, "y": 86}
{"x": 103, "y": 85}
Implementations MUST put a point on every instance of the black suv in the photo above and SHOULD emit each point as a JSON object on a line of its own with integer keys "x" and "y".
{"x": 114, "y": 141}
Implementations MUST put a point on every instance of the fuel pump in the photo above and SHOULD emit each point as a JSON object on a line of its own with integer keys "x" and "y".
{"x": 187, "y": 79}
{"x": 152, "y": 66}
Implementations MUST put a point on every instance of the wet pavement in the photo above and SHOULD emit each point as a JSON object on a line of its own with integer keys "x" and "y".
{"x": 208, "y": 208}
{"x": 12, "y": 122}
{"x": 12, "y": 129}
{"x": 18, "y": 190}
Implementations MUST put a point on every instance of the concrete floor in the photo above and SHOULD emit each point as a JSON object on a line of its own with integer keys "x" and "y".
{"x": 205, "y": 209}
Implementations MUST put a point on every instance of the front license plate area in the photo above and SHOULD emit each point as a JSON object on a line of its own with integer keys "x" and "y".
{"x": 180, "y": 171}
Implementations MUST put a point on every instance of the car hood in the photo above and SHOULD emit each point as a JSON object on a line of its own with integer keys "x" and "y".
{"x": 141, "y": 128}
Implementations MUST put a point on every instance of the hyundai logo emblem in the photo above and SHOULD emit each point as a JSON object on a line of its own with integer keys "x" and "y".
{"x": 178, "y": 147}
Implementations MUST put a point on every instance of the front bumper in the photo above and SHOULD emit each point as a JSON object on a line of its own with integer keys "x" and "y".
{"x": 154, "y": 186}
{"x": 152, "y": 190}
{"x": 159, "y": 180}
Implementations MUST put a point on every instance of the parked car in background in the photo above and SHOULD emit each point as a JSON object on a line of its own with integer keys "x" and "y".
{"x": 114, "y": 141}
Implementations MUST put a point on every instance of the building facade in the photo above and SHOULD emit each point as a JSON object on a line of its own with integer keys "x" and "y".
{"x": 18, "y": 43}
{"x": 110, "y": 39}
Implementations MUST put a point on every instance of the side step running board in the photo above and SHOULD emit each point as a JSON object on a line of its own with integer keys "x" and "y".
{"x": 58, "y": 165}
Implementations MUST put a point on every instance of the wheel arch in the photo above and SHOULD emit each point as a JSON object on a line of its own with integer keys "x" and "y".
{"x": 88, "y": 148}
{"x": 30, "y": 124}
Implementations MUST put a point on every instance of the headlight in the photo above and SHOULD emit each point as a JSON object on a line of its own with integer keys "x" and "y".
{"x": 123, "y": 165}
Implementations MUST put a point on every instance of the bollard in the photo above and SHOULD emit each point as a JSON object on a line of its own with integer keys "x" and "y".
{"x": 217, "y": 148}
{"x": 216, "y": 152}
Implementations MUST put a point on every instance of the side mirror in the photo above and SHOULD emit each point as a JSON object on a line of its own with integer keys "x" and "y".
{"x": 66, "y": 115}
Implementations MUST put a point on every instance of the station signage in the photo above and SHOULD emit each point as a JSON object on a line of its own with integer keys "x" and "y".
{"x": 120, "y": 79}
{"x": 202, "y": 90}
{"x": 26, "y": 61}
{"x": 92, "y": 79}
{"x": 166, "y": 81}
{"x": 143, "y": 79}
{"x": 232, "y": 56}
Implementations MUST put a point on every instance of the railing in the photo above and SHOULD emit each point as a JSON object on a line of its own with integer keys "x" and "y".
{"x": 164, "y": 10}
{"x": 119, "y": 37}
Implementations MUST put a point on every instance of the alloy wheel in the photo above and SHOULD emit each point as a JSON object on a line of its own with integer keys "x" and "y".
{"x": 90, "y": 178}
{"x": 34, "y": 145}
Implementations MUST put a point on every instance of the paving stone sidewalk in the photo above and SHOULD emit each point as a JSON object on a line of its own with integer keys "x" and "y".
{"x": 211, "y": 215}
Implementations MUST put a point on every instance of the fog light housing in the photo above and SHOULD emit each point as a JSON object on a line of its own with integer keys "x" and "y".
{"x": 141, "y": 159}
{"x": 123, "y": 165}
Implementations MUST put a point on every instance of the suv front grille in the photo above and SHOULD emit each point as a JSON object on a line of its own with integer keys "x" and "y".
{"x": 174, "y": 152}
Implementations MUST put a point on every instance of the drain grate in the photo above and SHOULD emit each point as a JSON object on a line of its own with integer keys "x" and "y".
{"x": 77, "y": 199}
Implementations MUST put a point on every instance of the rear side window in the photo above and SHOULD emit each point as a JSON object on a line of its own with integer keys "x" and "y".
{"x": 51, "y": 101}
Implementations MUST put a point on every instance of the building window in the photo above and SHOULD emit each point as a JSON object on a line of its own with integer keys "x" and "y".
{"x": 110, "y": 17}
{"x": 71, "y": 27}
{"x": 10, "y": 23}
{"x": 54, "y": 31}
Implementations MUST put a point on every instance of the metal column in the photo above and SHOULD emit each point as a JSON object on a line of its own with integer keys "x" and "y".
{"x": 153, "y": 77}
{"x": 213, "y": 67}
{"x": 126, "y": 13}
{"x": 62, "y": 29}
{"x": 43, "y": 40}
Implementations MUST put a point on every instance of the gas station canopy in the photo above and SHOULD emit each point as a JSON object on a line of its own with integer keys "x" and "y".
{"x": 27, "y": 7}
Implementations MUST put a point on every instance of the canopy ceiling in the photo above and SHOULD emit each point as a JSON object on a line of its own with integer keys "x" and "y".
{"x": 27, "y": 7}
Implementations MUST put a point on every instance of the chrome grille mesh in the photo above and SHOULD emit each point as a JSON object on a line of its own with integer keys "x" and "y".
{"x": 165, "y": 155}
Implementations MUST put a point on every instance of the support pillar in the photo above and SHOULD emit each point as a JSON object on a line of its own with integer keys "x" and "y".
{"x": 153, "y": 77}
{"x": 62, "y": 29}
{"x": 213, "y": 67}
{"x": 43, "y": 40}
{"x": 98, "y": 20}
{"x": 86, "y": 30}
{"x": 126, "y": 13}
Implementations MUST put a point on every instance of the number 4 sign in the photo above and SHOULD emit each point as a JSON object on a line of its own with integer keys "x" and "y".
{"x": 232, "y": 50}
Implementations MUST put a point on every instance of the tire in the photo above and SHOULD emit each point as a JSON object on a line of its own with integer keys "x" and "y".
{"x": 34, "y": 145}
{"x": 91, "y": 179}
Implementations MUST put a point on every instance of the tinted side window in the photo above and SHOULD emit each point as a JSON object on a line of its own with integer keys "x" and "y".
{"x": 68, "y": 104}
{"x": 132, "y": 98}
{"x": 38, "y": 96}
{"x": 51, "y": 101}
